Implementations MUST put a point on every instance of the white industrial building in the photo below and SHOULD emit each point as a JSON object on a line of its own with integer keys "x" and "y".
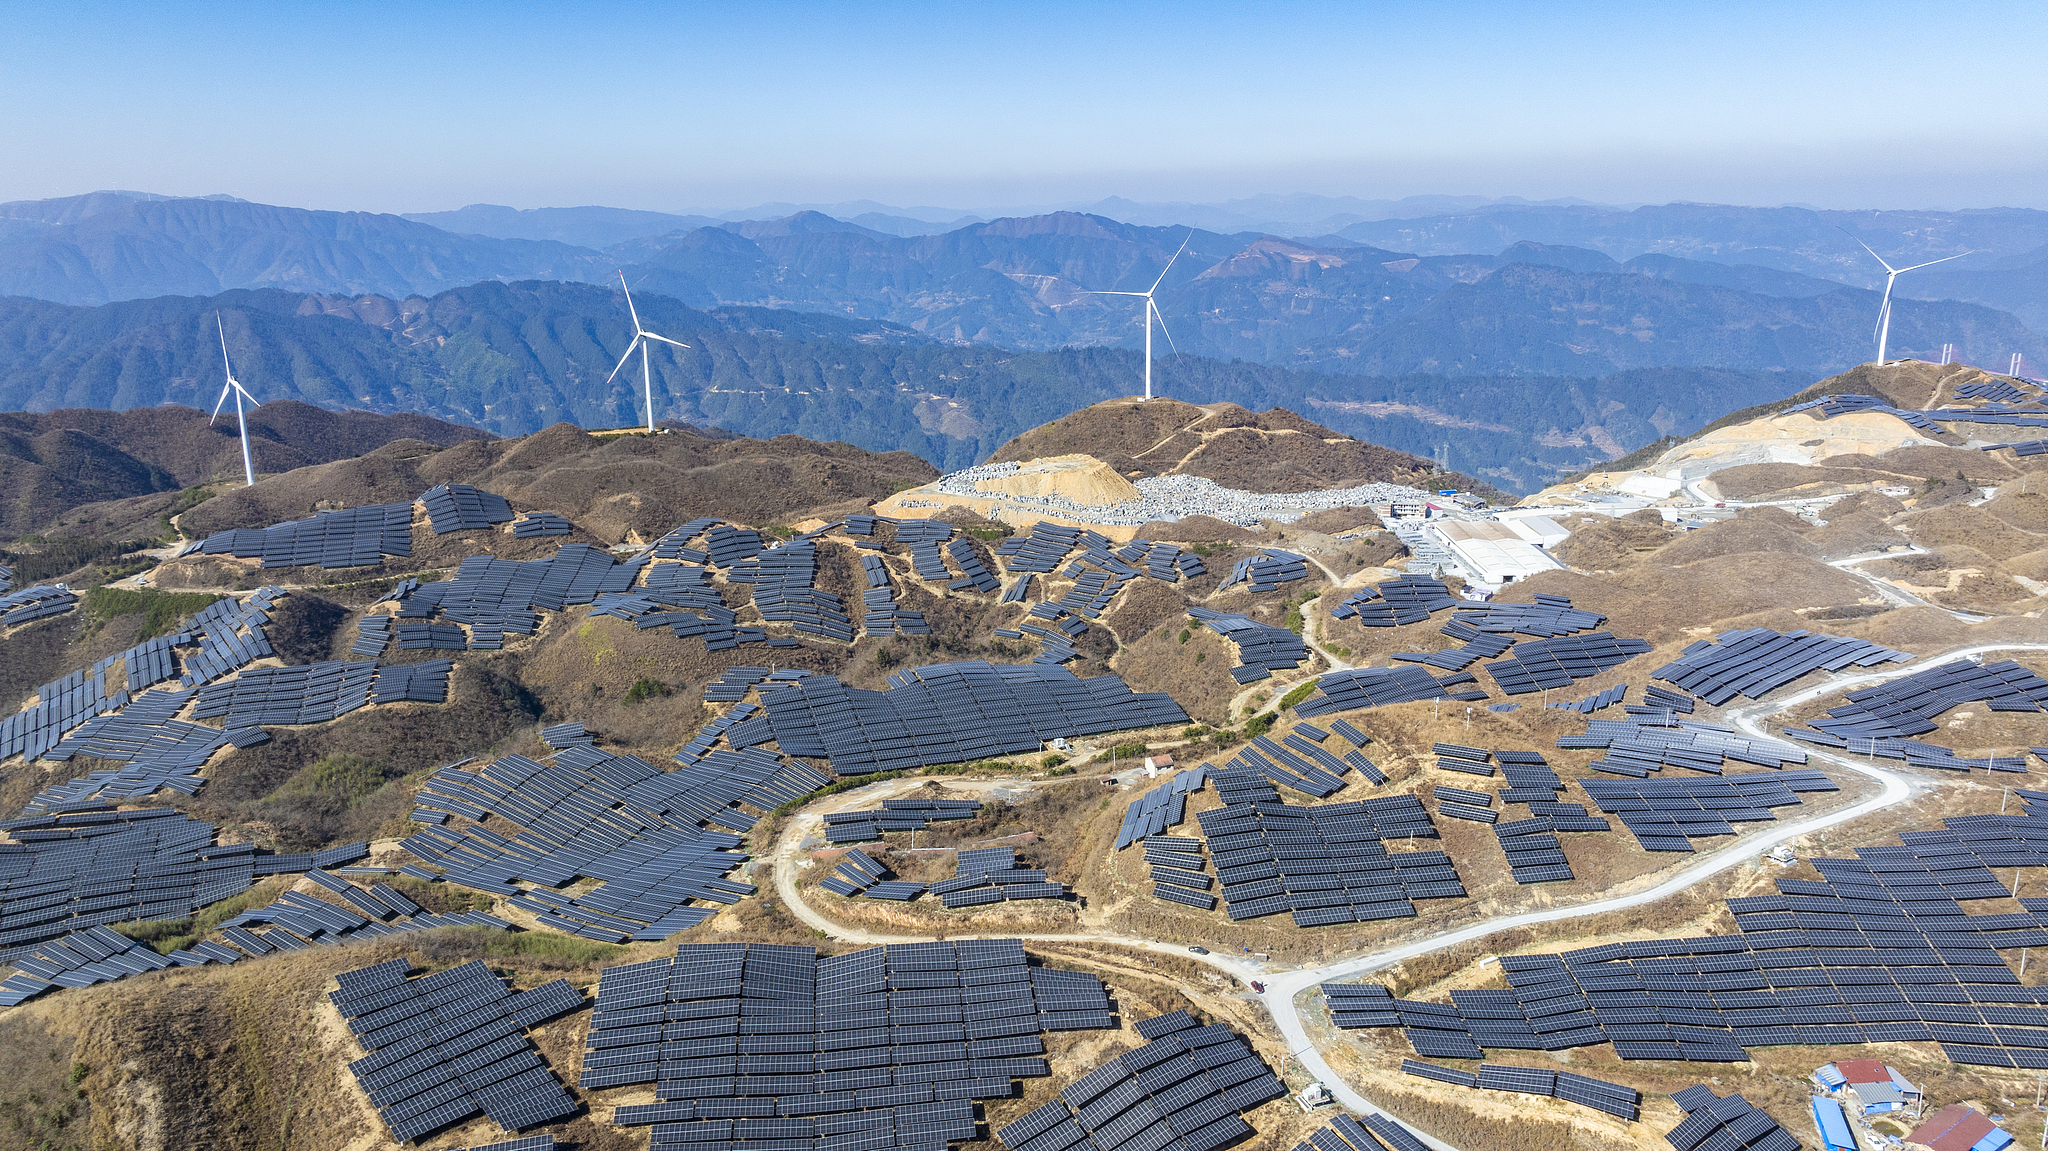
{"x": 1498, "y": 552}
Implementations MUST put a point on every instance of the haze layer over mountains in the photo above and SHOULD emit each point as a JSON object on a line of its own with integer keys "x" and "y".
{"x": 1494, "y": 328}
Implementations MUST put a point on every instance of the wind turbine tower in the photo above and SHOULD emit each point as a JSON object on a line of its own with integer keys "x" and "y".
{"x": 640, "y": 337}
{"x": 233, "y": 385}
{"x": 1152, "y": 312}
{"x": 1884, "y": 311}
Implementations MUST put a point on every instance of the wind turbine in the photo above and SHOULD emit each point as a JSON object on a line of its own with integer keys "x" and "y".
{"x": 640, "y": 337}
{"x": 1152, "y": 312}
{"x": 1884, "y": 310}
{"x": 235, "y": 386}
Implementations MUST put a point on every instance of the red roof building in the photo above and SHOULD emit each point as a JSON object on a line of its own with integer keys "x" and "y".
{"x": 1958, "y": 1127}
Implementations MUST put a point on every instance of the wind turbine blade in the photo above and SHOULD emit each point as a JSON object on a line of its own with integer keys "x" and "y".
{"x": 630, "y": 309}
{"x": 1169, "y": 264}
{"x": 217, "y": 404}
{"x": 624, "y": 358}
{"x": 1867, "y": 248}
{"x": 1119, "y": 293}
{"x": 1162, "y": 326}
{"x": 1931, "y": 263}
{"x": 223, "y": 346}
{"x": 253, "y": 401}
{"x": 663, "y": 339}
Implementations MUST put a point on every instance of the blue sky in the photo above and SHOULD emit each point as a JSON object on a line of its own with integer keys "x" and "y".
{"x": 981, "y": 106}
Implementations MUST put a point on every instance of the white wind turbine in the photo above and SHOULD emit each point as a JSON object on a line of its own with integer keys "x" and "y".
{"x": 1152, "y": 312}
{"x": 235, "y": 386}
{"x": 1884, "y": 310}
{"x": 640, "y": 337}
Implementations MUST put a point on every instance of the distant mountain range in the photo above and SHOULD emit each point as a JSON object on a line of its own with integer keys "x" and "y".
{"x": 514, "y": 358}
{"x": 1735, "y": 288}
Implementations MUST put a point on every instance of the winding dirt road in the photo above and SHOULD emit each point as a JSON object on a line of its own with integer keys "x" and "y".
{"x": 1286, "y": 991}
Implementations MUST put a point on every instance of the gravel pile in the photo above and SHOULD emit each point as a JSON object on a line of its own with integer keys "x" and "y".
{"x": 1170, "y": 498}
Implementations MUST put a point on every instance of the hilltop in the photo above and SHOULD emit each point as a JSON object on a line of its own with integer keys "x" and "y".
{"x": 54, "y": 462}
{"x": 1270, "y": 451}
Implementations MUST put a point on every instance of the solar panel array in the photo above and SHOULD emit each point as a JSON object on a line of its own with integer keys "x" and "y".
{"x": 658, "y": 840}
{"x": 1830, "y": 406}
{"x": 460, "y": 507}
{"x": 534, "y": 525}
{"x": 1325, "y": 864}
{"x": 1907, "y": 706}
{"x": 1365, "y": 687}
{"x": 1165, "y": 562}
{"x": 449, "y": 1045}
{"x": 1914, "y": 752}
{"x": 1373, "y": 1133}
{"x": 61, "y": 705}
{"x": 1879, "y": 951}
{"x": 991, "y": 875}
{"x": 1396, "y": 602}
{"x": 1266, "y": 570}
{"x": 889, "y": 1047}
{"x": 95, "y": 955}
{"x": 2022, "y": 448}
{"x": 1600, "y": 1095}
{"x": 160, "y": 752}
{"x": 786, "y": 591}
{"x": 1160, "y": 808}
{"x": 1725, "y": 1124}
{"x": 318, "y": 692}
{"x": 732, "y": 684}
{"x": 1186, "y": 1090}
{"x": 2002, "y": 391}
{"x": 1293, "y": 762}
{"x": 1668, "y": 814}
{"x": 1598, "y": 701}
{"x": 1179, "y": 871}
{"x": 1055, "y": 642}
{"x": 1648, "y": 743}
{"x": 973, "y": 572}
{"x": 1045, "y": 547}
{"x": 6, "y": 577}
{"x": 492, "y": 596}
{"x": 29, "y": 604}
{"x": 374, "y": 634}
{"x": 859, "y": 874}
{"x": 1262, "y": 648}
{"x": 69, "y": 871}
{"x": 1754, "y": 661}
{"x": 917, "y": 814}
{"x": 953, "y": 713}
{"x": 883, "y": 615}
{"x": 1543, "y": 664}
{"x": 336, "y": 539}
{"x": 613, "y": 818}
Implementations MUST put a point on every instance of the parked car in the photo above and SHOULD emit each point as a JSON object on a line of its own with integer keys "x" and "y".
{"x": 1258, "y": 987}
{"x": 1199, "y": 950}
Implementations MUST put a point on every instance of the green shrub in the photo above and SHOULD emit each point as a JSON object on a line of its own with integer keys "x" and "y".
{"x": 1185, "y": 634}
{"x": 1301, "y": 692}
{"x": 835, "y": 788}
{"x": 1258, "y": 725}
{"x": 646, "y": 689}
{"x": 161, "y": 611}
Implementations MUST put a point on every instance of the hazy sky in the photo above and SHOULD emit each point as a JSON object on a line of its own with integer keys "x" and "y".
{"x": 429, "y": 106}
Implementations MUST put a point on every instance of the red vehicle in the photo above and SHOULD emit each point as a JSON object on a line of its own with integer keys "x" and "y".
{"x": 1258, "y": 987}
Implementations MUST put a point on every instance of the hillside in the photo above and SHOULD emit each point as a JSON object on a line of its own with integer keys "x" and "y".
{"x": 53, "y": 462}
{"x": 897, "y": 639}
{"x": 622, "y": 488}
{"x": 1270, "y": 451}
{"x": 516, "y": 358}
{"x": 110, "y": 246}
